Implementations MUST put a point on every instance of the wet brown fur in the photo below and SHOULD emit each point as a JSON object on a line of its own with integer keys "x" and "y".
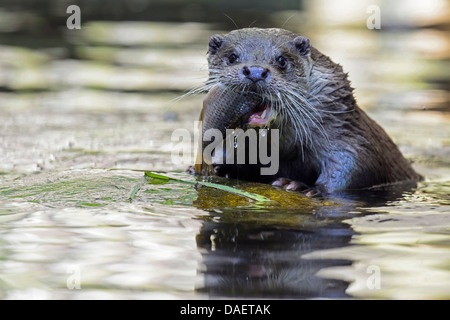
{"x": 326, "y": 141}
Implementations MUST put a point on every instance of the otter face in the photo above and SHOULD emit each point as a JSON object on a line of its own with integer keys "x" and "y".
{"x": 273, "y": 63}
{"x": 259, "y": 60}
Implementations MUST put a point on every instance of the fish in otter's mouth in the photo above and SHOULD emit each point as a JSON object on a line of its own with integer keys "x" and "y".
{"x": 225, "y": 109}
{"x": 225, "y": 115}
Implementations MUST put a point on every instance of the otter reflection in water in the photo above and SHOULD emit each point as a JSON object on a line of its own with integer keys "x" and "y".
{"x": 251, "y": 260}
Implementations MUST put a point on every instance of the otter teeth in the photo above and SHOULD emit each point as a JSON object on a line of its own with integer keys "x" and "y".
{"x": 263, "y": 115}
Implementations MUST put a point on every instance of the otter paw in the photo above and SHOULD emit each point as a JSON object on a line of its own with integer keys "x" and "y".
{"x": 191, "y": 170}
{"x": 222, "y": 171}
{"x": 290, "y": 184}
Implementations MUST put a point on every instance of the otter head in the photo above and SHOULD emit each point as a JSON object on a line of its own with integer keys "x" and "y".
{"x": 273, "y": 63}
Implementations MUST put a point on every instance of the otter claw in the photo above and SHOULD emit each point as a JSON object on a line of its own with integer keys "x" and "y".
{"x": 281, "y": 182}
{"x": 297, "y": 186}
{"x": 290, "y": 184}
{"x": 313, "y": 193}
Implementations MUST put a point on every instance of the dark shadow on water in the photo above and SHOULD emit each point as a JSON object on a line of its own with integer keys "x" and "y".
{"x": 378, "y": 195}
{"x": 244, "y": 260}
{"x": 265, "y": 259}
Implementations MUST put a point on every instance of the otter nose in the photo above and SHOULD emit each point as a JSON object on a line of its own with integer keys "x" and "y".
{"x": 255, "y": 73}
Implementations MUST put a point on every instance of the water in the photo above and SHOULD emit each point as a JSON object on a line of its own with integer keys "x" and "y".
{"x": 77, "y": 220}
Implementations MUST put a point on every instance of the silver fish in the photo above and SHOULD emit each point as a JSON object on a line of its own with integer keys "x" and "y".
{"x": 225, "y": 109}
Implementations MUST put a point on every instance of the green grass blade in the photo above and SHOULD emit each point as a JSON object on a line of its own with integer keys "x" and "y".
{"x": 249, "y": 195}
{"x": 136, "y": 189}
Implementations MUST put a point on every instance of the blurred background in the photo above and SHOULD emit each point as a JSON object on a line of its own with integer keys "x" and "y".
{"x": 132, "y": 58}
{"x": 82, "y": 110}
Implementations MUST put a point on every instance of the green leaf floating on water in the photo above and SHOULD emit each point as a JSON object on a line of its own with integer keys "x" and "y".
{"x": 159, "y": 179}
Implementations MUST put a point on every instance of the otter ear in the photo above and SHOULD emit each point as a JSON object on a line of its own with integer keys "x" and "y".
{"x": 215, "y": 42}
{"x": 302, "y": 45}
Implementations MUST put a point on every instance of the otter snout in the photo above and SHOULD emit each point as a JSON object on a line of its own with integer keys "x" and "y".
{"x": 255, "y": 73}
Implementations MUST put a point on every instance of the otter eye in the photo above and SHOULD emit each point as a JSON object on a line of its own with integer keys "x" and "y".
{"x": 282, "y": 62}
{"x": 232, "y": 58}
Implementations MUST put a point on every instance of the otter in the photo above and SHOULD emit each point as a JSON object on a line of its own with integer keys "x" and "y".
{"x": 327, "y": 143}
